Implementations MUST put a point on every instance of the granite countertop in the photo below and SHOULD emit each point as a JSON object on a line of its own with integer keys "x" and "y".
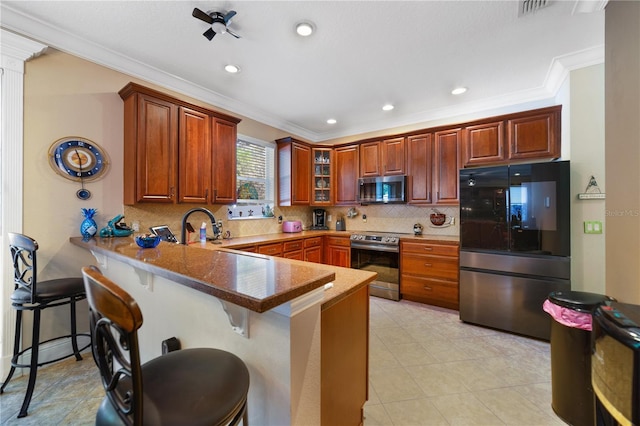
{"x": 234, "y": 276}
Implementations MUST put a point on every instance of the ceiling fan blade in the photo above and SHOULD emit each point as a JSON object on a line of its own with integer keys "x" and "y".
{"x": 209, "y": 34}
{"x": 232, "y": 33}
{"x": 229, "y": 15}
{"x": 197, "y": 13}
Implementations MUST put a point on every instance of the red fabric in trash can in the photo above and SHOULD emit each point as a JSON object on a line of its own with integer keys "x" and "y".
{"x": 568, "y": 317}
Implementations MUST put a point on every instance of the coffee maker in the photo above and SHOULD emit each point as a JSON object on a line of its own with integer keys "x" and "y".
{"x": 319, "y": 219}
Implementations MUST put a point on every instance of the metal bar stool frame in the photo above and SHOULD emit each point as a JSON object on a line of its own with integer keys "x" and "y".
{"x": 31, "y": 295}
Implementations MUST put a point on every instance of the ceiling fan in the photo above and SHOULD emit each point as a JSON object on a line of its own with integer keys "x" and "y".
{"x": 217, "y": 20}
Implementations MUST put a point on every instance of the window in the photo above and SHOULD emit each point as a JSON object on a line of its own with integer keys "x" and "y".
{"x": 255, "y": 180}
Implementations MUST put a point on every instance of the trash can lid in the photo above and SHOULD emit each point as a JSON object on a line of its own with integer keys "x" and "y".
{"x": 580, "y": 301}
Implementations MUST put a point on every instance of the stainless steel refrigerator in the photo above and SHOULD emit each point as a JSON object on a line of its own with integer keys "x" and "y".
{"x": 515, "y": 244}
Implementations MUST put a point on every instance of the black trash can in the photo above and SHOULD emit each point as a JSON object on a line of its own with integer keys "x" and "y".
{"x": 572, "y": 397}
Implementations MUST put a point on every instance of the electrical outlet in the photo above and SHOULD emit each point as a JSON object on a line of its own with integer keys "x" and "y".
{"x": 593, "y": 227}
{"x": 328, "y": 218}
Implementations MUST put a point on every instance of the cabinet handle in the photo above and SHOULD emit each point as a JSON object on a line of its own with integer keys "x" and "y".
{"x": 428, "y": 265}
{"x": 206, "y": 193}
{"x": 428, "y": 248}
{"x": 172, "y": 192}
{"x": 426, "y": 287}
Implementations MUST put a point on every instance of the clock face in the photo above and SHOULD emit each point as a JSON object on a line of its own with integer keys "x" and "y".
{"x": 78, "y": 159}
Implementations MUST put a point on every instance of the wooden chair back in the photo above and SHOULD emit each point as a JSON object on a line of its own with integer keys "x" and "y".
{"x": 115, "y": 319}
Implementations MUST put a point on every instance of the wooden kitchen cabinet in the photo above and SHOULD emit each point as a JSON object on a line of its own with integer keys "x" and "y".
{"x": 271, "y": 249}
{"x": 432, "y": 166}
{"x": 346, "y": 175}
{"x": 293, "y": 249}
{"x": 382, "y": 158}
{"x": 338, "y": 251}
{"x": 323, "y": 177}
{"x": 313, "y": 249}
{"x": 528, "y": 135}
{"x": 294, "y": 172}
{"x": 535, "y": 135}
{"x": 429, "y": 273}
{"x": 194, "y": 162}
{"x": 484, "y": 144}
{"x": 446, "y": 164}
{"x": 170, "y": 149}
{"x": 224, "y": 161}
{"x": 420, "y": 169}
{"x": 150, "y": 149}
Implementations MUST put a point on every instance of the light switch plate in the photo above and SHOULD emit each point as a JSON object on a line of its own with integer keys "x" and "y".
{"x": 593, "y": 227}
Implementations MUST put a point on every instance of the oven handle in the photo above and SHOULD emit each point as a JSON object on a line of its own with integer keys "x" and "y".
{"x": 390, "y": 249}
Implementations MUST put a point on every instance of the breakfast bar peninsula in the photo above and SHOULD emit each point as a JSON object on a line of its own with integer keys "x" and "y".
{"x": 302, "y": 328}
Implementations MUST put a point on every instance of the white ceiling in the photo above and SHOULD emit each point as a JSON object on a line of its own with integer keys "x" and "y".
{"x": 362, "y": 55}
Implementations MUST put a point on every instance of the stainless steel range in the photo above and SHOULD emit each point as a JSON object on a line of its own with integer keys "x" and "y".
{"x": 378, "y": 252}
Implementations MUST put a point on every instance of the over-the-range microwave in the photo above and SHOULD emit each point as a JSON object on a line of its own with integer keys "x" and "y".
{"x": 382, "y": 190}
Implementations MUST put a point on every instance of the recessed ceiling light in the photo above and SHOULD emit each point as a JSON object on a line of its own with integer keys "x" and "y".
{"x": 458, "y": 90}
{"x": 332, "y": 121}
{"x": 305, "y": 29}
{"x": 232, "y": 69}
{"x": 387, "y": 107}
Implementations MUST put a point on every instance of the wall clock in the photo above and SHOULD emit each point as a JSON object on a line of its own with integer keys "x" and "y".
{"x": 80, "y": 160}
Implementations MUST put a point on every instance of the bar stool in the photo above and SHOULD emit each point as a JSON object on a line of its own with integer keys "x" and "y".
{"x": 31, "y": 295}
{"x": 200, "y": 386}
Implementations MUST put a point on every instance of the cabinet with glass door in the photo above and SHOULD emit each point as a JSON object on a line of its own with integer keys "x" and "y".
{"x": 322, "y": 176}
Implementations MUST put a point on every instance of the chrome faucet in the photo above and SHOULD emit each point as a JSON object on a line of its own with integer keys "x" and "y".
{"x": 216, "y": 231}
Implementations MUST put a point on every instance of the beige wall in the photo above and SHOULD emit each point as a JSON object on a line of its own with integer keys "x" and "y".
{"x": 622, "y": 149}
{"x": 586, "y": 129}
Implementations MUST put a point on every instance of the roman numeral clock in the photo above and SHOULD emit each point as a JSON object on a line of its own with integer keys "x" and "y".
{"x": 79, "y": 160}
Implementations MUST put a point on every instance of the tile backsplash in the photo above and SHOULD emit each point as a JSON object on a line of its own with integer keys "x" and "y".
{"x": 389, "y": 218}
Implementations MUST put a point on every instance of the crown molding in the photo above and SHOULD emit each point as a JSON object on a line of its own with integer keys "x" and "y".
{"x": 69, "y": 43}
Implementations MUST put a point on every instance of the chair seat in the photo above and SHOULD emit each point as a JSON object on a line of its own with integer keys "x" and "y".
{"x": 50, "y": 290}
{"x": 189, "y": 387}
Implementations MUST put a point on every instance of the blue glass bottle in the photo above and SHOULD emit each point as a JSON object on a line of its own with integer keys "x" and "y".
{"x": 88, "y": 227}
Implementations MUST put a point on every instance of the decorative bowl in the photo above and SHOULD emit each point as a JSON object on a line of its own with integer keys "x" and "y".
{"x": 438, "y": 218}
{"x": 147, "y": 240}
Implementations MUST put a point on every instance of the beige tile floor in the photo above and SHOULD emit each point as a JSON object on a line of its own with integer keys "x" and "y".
{"x": 426, "y": 368}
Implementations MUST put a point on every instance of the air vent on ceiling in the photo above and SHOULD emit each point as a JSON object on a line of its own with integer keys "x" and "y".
{"x": 526, "y": 7}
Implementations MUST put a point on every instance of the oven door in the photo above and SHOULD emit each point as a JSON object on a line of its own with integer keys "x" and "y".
{"x": 384, "y": 261}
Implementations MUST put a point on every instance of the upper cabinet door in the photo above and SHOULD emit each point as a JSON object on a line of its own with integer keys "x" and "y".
{"x": 535, "y": 136}
{"x": 294, "y": 172}
{"x": 156, "y": 151}
{"x": 484, "y": 144}
{"x": 194, "y": 145}
{"x": 224, "y": 161}
{"x": 393, "y": 156}
{"x": 322, "y": 182}
{"x": 420, "y": 168}
{"x": 370, "y": 159}
{"x": 346, "y": 171}
{"x": 447, "y": 160}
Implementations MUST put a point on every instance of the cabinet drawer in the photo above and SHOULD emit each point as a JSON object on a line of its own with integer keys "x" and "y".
{"x": 297, "y": 255}
{"x": 292, "y": 245}
{"x": 312, "y": 242}
{"x": 429, "y": 290}
{"x": 338, "y": 241}
{"x": 250, "y": 248}
{"x": 274, "y": 249}
{"x": 430, "y": 266}
{"x": 426, "y": 248}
